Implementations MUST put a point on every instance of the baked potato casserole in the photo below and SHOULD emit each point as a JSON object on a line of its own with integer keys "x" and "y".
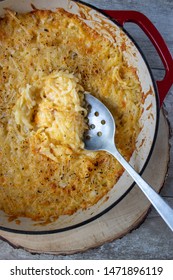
{"x": 47, "y": 60}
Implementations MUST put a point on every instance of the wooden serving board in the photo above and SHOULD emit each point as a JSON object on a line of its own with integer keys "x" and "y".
{"x": 123, "y": 218}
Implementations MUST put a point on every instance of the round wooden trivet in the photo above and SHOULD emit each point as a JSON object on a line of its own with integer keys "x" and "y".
{"x": 120, "y": 220}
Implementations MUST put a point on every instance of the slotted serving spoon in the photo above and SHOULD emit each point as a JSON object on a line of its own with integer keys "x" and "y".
{"x": 100, "y": 136}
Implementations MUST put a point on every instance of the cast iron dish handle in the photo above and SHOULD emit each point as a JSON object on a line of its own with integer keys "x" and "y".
{"x": 153, "y": 34}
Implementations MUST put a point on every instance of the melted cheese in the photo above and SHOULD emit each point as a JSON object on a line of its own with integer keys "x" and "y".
{"x": 47, "y": 59}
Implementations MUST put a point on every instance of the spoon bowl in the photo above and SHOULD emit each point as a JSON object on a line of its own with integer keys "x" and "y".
{"x": 101, "y": 125}
{"x": 100, "y": 136}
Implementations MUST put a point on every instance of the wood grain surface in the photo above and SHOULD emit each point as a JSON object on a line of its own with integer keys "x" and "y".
{"x": 153, "y": 239}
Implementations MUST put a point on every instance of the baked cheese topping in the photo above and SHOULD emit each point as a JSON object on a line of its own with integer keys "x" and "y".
{"x": 47, "y": 60}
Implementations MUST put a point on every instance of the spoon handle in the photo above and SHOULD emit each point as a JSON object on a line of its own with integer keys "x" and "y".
{"x": 165, "y": 211}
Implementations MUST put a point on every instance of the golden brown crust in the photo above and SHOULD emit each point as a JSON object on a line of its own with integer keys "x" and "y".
{"x": 33, "y": 46}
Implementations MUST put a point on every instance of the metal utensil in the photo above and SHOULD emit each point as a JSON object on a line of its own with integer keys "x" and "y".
{"x": 100, "y": 136}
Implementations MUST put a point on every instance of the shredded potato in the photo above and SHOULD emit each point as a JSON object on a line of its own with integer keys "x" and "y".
{"x": 52, "y": 108}
{"x": 47, "y": 60}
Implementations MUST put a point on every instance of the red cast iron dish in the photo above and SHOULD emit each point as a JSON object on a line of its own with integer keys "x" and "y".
{"x": 109, "y": 24}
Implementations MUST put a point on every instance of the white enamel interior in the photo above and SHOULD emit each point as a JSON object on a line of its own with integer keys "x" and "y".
{"x": 148, "y": 119}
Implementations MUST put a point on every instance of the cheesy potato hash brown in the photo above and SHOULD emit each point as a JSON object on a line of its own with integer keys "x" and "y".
{"x": 47, "y": 60}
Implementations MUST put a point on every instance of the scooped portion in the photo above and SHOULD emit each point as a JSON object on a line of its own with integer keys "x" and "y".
{"x": 50, "y": 112}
